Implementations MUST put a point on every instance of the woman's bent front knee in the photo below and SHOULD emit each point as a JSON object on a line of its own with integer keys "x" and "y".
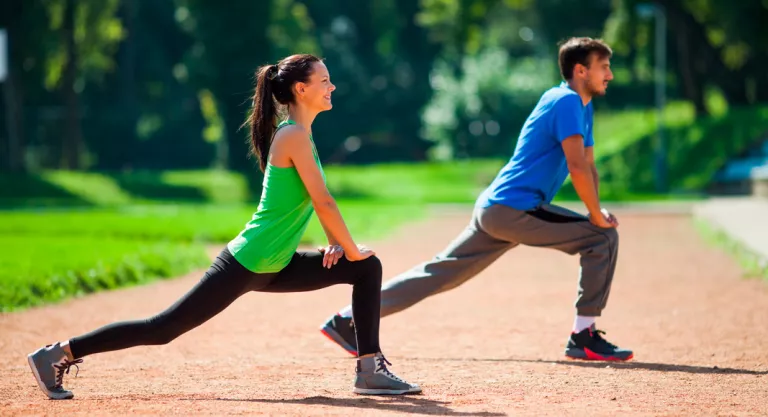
{"x": 370, "y": 268}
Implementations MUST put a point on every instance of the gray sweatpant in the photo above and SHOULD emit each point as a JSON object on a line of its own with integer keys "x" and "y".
{"x": 492, "y": 232}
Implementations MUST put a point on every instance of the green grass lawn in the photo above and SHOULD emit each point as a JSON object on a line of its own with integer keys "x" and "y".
{"x": 50, "y": 255}
{"x": 432, "y": 183}
{"x": 615, "y": 131}
{"x": 188, "y": 222}
{"x": 48, "y": 268}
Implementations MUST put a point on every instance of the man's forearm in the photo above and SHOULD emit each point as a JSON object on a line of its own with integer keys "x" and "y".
{"x": 596, "y": 179}
{"x": 585, "y": 187}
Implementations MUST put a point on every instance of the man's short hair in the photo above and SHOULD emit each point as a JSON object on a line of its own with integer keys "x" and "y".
{"x": 577, "y": 51}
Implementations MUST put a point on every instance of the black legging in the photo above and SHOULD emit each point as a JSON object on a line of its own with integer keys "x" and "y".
{"x": 226, "y": 280}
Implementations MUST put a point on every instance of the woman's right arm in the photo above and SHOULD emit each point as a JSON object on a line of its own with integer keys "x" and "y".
{"x": 300, "y": 151}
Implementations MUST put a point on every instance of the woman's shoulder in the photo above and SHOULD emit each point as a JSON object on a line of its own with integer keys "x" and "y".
{"x": 291, "y": 135}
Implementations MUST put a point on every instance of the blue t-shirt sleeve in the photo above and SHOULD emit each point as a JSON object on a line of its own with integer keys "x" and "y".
{"x": 568, "y": 117}
{"x": 590, "y": 139}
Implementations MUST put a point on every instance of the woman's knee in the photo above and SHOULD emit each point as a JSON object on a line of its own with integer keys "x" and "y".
{"x": 371, "y": 268}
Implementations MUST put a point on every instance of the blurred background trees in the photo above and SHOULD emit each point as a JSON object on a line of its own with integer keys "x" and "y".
{"x": 165, "y": 84}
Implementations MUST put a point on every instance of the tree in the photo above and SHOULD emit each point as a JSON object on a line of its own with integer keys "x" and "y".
{"x": 231, "y": 42}
{"x": 89, "y": 35}
{"x": 14, "y": 15}
{"x": 712, "y": 43}
{"x": 73, "y": 140}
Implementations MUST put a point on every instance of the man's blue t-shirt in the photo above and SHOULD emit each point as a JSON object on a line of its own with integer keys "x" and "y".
{"x": 538, "y": 167}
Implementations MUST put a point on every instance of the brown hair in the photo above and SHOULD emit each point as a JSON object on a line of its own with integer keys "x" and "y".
{"x": 577, "y": 51}
{"x": 274, "y": 87}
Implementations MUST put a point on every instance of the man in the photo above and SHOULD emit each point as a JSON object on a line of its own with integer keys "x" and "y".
{"x": 515, "y": 209}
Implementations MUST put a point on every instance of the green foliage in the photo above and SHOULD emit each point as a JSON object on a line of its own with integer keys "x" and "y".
{"x": 369, "y": 219}
{"x": 68, "y": 188}
{"x": 217, "y": 186}
{"x": 212, "y": 186}
{"x": 430, "y": 183}
{"x": 94, "y": 188}
{"x": 37, "y": 269}
{"x": 697, "y": 152}
{"x": 615, "y": 130}
{"x": 467, "y": 116}
{"x": 694, "y": 153}
{"x": 214, "y": 131}
{"x": 717, "y": 44}
{"x": 380, "y": 60}
{"x": 166, "y": 85}
{"x": 230, "y": 43}
{"x": 290, "y": 29}
{"x": 24, "y": 190}
{"x": 98, "y": 32}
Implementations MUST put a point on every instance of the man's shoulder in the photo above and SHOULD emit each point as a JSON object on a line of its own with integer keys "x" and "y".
{"x": 559, "y": 95}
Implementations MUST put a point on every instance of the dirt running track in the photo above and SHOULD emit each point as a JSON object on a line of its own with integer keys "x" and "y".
{"x": 490, "y": 348}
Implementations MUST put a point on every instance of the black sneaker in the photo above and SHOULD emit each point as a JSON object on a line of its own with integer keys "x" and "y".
{"x": 341, "y": 330}
{"x": 590, "y": 345}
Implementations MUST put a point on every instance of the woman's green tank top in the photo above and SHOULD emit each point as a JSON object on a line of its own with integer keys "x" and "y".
{"x": 269, "y": 240}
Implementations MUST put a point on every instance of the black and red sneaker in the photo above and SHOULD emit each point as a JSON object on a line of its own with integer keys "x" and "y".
{"x": 589, "y": 344}
{"x": 341, "y": 330}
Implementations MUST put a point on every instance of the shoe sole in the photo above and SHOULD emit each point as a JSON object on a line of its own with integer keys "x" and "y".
{"x": 588, "y": 355}
{"x": 382, "y": 391}
{"x": 41, "y": 384}
{"x": 336, "y": 338}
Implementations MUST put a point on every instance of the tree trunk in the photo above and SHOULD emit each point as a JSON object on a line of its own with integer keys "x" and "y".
{"x": 691, "y": 50}
{"x": 632, "y": 54}
{"x": 128, "y": 58}
{"x": 72, "y": 149}
{"x": 14, "y": 120}
{"x": 691, "y": 88}
{"x": 419, "y": 53}
{"x": 233, "y": 112}
{"x": 761, "y": 87}
{"x": 704, "y": 60}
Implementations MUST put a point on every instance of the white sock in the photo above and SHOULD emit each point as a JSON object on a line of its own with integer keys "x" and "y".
{"x": 346, "y": 312}
{"x": 582, "y": 322}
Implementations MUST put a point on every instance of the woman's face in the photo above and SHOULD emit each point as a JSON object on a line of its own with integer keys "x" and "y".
{"x": 316, "y": 92}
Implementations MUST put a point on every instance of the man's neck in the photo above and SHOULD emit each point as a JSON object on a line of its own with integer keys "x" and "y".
{"x": 581, "y": 90}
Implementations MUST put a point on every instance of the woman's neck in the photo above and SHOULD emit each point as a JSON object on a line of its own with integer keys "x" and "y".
{"x": 302, "y": 116}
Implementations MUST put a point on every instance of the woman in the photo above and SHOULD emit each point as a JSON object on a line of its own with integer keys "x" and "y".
{"x": 263, "y": 256}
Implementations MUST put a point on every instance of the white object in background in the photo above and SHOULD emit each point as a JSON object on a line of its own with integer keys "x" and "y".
{"x": 3, "y": 55}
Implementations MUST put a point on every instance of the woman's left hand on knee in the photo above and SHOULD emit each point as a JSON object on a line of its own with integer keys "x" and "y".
{"x": 331, "y": 255}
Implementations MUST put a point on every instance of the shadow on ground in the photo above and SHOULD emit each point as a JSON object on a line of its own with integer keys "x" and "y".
{"x": 404, "y": 404}
{"x": 646, "y": 366}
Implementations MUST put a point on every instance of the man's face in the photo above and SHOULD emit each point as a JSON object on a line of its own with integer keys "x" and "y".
{"x": 597, "y": 75}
